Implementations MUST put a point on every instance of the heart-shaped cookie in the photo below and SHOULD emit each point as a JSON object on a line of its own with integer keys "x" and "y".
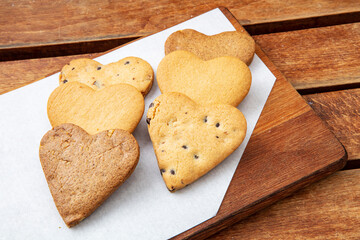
{"x": 190, "y": 139}
{"x": 130, "y": 70}
{"x": 82, "y": 171}
{"x": 223, "y": 80}
{"x": 119, "y": 106}
{"x": 237, "y": 44}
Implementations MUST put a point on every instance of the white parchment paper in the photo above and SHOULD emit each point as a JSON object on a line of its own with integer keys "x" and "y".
{"x": 142, "y": 208}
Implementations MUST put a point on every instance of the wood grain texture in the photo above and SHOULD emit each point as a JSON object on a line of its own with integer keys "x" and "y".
{"x": 316, "y": 58}
{"x": 34, "y": 23}
{"x": 289, "y": 149}
{"x": 15, "y": 74}
{"x": 341, "y": 111}
{"x": 311, "y": 59}
{"x": 328, "y": 209}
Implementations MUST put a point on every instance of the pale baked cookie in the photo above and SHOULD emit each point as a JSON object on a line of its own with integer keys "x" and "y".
{"x": 119, "y": 106}
{"x": 130, "y": 70}
{"x": 223, "y": 80}
{"x": 190, "y": 139}
{"x": 83, "y": 170}
{"x": 236, "y": 44}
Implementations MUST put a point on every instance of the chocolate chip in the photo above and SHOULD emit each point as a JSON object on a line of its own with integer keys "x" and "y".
{"x": 65, "y": 81}
{"x": 172, "y": 189}
{"x": 96, "y": 83}
{"x": 196, "y": 156}
{"x": 205, "y": 119}
{"x": 162, "y": 171}
{"x": 73, "y": 68}
{"x": 98, "y": 68}
{"x": 162, "y": 150}
{"x": 172, "y": 171}
{"x": 127, "y": 62}
{"x": 217, "y": 136}
{"x": 217, "y": 125}
{"x": 184, "y": 147}
{"x": 117, "y": 74}
{"x": 185, "y": 112}
{"x": 151, "y": 105}
{"x": 148, "y": 120}
{"x": 133, "y": 78}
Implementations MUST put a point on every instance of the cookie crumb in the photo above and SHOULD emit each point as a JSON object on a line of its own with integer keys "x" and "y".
{"x": 110, "y": 132}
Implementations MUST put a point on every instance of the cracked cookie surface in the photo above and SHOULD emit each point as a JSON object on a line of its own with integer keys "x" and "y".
{"x": 131, "y": 70}
{"x": 190, "y": 139}
{"x": 83, "y": 170}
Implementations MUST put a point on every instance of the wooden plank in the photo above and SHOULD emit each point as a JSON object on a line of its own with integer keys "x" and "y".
{"x": 35, "y": 23}
{"x": 290, "y": 148}
{"x": 327, "y": 60}
{"x": 328, "y": 209}
{"x": 15, "y": 74}
{"x": 335, "y": 108}
{"x": 341, "y": 111}
{"x": 316, "y": 59}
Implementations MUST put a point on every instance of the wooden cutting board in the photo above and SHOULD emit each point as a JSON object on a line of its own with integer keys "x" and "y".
{"x": 290, "y": 148}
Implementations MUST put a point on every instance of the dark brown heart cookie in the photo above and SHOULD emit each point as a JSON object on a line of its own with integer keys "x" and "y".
{"x": 83, "y": 170}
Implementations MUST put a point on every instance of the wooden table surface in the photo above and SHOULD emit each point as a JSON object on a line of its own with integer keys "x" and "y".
{"x": 315, "y": 44}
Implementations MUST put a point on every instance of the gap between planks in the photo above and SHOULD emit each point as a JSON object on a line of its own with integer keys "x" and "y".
{"x": 97, "y": 45}
{"x": 296, "y": 50}
{"x": 328, "y": 209}
{"x": 35, "y": 23}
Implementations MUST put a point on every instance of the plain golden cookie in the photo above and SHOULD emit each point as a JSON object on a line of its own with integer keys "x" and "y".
{"x": 130, "y": 70}
{"x": 236, "y": 44}
{"x": 190, "y": 139}
{"x": 82, "y": 171}
{"x": 223, "y": 80}
{"x": 119, "y": 106}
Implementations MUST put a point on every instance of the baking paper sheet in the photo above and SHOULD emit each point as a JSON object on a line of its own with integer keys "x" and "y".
{"x": 142, "y": 208}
